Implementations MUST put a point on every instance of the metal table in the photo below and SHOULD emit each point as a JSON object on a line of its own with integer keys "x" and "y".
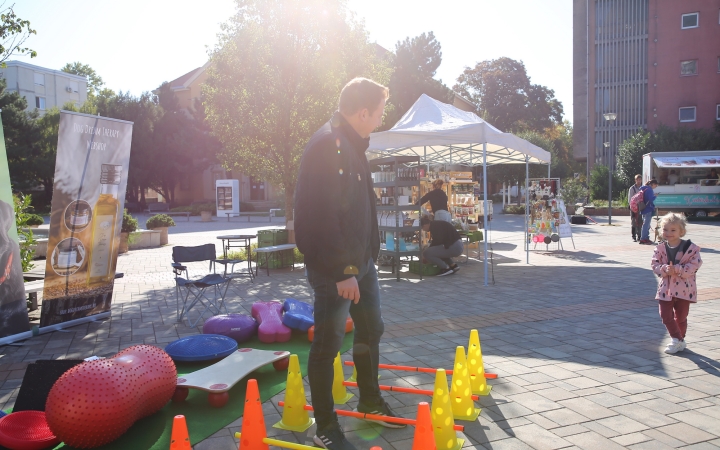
{"x": 238, "y": 241}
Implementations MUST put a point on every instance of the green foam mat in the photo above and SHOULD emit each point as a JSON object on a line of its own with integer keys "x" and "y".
{"x": 153, "y": 432}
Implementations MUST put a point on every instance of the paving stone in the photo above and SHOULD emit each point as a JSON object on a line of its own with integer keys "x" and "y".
{"x": 686, "y": 433}
{"x": 538, "y": 438}
{"x": 627, "y": 440}
{"x": 587, "y": 408}
{"x": 593, "y": 441}
{"x": 698, "y": 419}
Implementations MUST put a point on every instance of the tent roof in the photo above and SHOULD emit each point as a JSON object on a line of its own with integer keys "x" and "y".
{"x": 442, "y": 134}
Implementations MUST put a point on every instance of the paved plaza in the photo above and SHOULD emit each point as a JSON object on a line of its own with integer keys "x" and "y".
{"x": 574, "y": 336}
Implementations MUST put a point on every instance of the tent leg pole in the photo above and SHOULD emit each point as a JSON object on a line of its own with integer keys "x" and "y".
{"x": 527, "y": 210}
{"x": 485, "y": 213}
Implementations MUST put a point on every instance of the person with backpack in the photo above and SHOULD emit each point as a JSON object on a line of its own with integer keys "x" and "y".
{"x": 635, "y": 223}
{"x": 676, "y": 263}
{"x": 648, "y": 210}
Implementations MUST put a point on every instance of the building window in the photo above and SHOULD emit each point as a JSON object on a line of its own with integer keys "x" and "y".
{"x": 691, "y": 20}
{"x": 40, "y": 102}
{"x": 40, "y": 79}
{"x": 688, "y": 67}
{"x": 717, "y": 112}
{"x": 687, "y": 114}
{"x": 74, "y": 86}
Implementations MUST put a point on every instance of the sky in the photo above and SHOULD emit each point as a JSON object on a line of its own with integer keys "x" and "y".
{"x": 136, "y": 45}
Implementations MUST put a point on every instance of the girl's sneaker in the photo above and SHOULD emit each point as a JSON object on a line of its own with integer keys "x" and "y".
{"x": 676, "y": 345}
{"x": 684, "y": 345}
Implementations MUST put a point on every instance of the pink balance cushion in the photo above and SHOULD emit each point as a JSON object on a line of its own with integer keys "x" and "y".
{"x": 269, "y": 316}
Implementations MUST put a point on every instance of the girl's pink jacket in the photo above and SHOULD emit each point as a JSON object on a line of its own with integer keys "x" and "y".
{"x": 682, "y": 286}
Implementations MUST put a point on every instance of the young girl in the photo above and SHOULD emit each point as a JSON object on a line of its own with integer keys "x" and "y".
{"x": 676, "y": 261}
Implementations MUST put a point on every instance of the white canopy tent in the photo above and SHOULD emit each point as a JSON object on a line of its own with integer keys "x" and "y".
{"x": 439, "y": 133}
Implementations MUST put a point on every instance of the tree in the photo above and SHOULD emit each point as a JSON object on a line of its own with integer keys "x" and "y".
{"x": 599, "y": 184}
{"x": 20, "y": 134}
{"x": 275, "y": 78}
{"x": 14, "y": 31}
{"x": 663, "y": 139}
{"x": 504, "y": 95}
{"x": 415, "y": 63}
{"x": 95, "y": 82}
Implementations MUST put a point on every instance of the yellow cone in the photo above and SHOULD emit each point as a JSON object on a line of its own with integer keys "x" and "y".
{"x": 475, "y": 366}
{"x": 340, "y": 393}
{"x": 442, "y": 416}
{"x": 353, "y": 378}
{"x": 463, "y": 407}
{"x": 294, "y": 417}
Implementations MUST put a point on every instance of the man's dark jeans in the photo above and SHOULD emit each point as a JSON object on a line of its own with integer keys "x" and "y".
{"x": 331, "y": 311}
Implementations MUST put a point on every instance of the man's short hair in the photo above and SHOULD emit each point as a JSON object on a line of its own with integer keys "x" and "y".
{"x": 638, "y": 176}
{"x": 361, "y": 93}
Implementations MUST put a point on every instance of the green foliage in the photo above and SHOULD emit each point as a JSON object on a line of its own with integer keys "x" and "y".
{"x": 275, "y": 78}
{"x": 504, "y": 95}
{"x": 129, "y": 223}
{"x": 414, "y": 64}
{"x": 241, "y": 254}
{"x": 599, "y": 183}
{"x": 21, "y": 204}
{"x": 34, "y": 220}
{"x": 514, "y": 209}
{"x": 95, "y": 82}
{"x": 14, "y": 31}
{"x": 159, "y": 221}
{"x": 663, "y": 139}
{"x": 573, "y": 191}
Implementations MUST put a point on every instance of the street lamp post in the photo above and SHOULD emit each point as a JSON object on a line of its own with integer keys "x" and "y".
{"x": 609, "y": 117}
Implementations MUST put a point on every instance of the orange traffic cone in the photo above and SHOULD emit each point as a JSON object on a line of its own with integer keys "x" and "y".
{"x": 253, "y": 426}
{"x": 424, "y": 438}
{"x": 179, "y": 440}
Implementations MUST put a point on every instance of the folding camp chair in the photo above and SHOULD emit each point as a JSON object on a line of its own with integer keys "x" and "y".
{"x": 192, "y": 293}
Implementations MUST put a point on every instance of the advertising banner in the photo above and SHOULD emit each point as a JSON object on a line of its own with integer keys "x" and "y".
{"x": 564, "y": 229}
{"x": 687, "y": 200}
{"x": 93, "y": 157}
{"x": 13, "y": 309}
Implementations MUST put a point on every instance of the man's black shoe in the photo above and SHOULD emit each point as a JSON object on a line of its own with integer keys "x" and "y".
{"x": 332, "y": 438}
{"x": 381, "y": 409}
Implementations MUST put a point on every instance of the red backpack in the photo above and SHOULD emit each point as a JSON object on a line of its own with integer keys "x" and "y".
{"x": 637, "y": 202}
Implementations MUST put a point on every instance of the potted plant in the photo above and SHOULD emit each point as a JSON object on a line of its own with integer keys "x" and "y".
{"x": 160, "y": 222}
{"x": 206, "y": 211}
{"x": 129, "y": 225}
{"x": 34, "y": 220}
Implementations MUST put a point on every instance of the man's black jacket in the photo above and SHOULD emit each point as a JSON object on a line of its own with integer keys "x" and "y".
{"x": 335, "y": 220}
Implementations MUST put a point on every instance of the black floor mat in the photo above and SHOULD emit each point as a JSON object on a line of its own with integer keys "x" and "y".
{"x": 38, "y": 380}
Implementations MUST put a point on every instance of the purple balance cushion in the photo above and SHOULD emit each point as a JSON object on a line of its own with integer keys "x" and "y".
{"x": 298, "y": 315}
{"x": 236, "y": 326}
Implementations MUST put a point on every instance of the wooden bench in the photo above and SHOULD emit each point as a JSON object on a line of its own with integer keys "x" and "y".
{"x": 164, "y": 208}
{"x": 33, "y": 287}
{"x": 270, "y": 250}
{"x": 250, "y": 214}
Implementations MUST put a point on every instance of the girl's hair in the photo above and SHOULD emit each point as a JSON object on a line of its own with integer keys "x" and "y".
{"x": 676, "y": 219}
{"x": 653, "y": 181}
{"x": 437, "y": 184}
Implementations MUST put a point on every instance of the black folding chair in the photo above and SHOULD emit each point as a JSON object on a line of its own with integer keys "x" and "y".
{"x": 192, "y": 292}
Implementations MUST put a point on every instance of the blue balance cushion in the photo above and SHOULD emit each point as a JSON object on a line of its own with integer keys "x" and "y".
{"x": 201, "y": 347}
{"x": 298, "y": 315}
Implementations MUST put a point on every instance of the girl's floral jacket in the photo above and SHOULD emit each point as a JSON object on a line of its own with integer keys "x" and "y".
{"x": 682, "y": 286}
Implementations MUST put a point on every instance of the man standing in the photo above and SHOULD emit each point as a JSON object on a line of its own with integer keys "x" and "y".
{"x": 635, "y": 221}
{"x": 336, "y": 230}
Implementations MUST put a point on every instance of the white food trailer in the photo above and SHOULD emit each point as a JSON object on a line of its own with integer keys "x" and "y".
{"x": 684, "y": 180}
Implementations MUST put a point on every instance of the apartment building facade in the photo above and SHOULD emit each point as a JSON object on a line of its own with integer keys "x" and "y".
{"x": 650, "y": 62}
{"x": 44, "y": 88}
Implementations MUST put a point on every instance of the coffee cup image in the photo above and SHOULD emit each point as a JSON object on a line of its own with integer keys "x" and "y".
{"x": 78, "y": 215}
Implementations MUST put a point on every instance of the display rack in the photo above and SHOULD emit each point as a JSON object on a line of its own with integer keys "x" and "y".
{"x": 397, "y": 172}
{"x": 460, "y": 190}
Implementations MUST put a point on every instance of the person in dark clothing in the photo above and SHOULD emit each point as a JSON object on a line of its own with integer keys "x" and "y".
{"x": 337, "y": 231}
{"x": 446, "y": 244}
{"x": 438, "y": 201}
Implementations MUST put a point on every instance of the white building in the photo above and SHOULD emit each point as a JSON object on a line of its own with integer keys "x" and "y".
{"x": 44, "y": 88}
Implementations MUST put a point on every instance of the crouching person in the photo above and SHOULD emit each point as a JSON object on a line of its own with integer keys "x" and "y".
{"x": 446, "y": 244}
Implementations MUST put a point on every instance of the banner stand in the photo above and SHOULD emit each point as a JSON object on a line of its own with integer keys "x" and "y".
{"x": 10, "y": 340}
